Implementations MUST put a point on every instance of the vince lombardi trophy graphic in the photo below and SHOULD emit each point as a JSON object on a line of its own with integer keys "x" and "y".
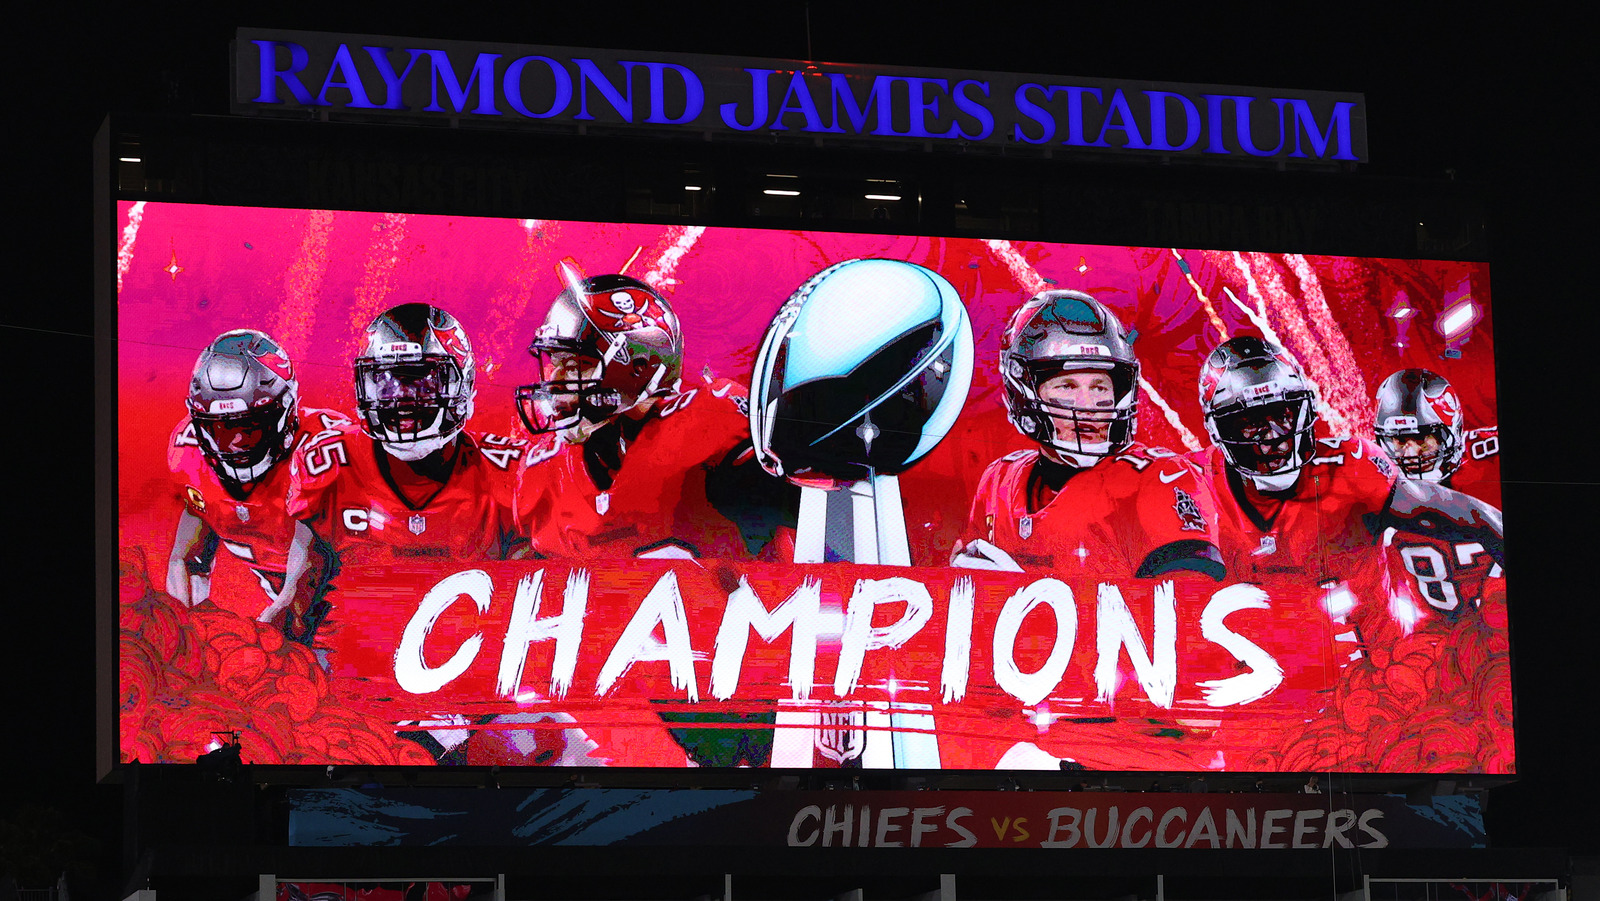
{"x": 861, "y": 373}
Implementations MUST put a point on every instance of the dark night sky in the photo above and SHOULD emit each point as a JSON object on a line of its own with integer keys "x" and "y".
{"x": 1489, "y": 100}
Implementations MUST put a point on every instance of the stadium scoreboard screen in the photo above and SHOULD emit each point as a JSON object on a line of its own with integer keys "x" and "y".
{"x": 420, "y": 489}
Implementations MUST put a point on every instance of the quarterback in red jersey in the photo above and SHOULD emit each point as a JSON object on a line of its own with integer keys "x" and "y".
{"x": 1419, "y": 425}
{"x": 1090, "y": 499}
{"x": 244, "y": 421}
{"x": 633, "y": 463}
{"x": 1297, "y": 501}
{"x": 412, "y": 481}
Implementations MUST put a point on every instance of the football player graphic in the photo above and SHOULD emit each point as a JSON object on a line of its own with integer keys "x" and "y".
{"x": 227, "y": 457}
{"x": 412, "y": 480}
{"x": 630, "y": 461}
{"x": 1419, "y": 425}
{"x": 409, "y": 480}
{"x": 1089, "y": 499}
{"x": 1296, "y": 500}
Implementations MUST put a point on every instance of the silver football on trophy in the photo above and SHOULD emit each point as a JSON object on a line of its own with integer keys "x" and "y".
{"x": 862, "y": 372}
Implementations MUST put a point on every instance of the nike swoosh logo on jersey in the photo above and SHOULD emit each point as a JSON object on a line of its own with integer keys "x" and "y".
{"x": 723, "y": 392}
{"x": 1167, "y": 478}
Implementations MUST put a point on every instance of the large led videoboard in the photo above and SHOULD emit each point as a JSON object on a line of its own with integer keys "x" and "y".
{"x": 413, "y": 489}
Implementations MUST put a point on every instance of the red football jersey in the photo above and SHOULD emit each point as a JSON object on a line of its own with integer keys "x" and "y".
{"x": 340, "y": 488}
{"x": 1479, "y": 472}
{"x": 659, "y": 495}
{"x": 256, "y": 529}
{"x": 1347, "y": 481}
{"x": 1104, "y": 521}
{"x": 1431, "y": 577}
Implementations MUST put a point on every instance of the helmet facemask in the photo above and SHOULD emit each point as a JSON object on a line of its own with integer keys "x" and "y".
{"x": 413, "y": 404}
{"x": 1426, "y": 452}
{"x": 243, "y": 404}
{"x": 243, "y": 445}
{"x": 571, "y": 398}
{"x": 1083, "y": 413}
{"x": 1267, "y": 442}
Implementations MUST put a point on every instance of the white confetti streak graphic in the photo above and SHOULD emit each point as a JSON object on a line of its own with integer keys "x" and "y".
{"x": 1305, "y": 343}
{"x": 1032, "y": 282}
{"x": 1266, "y": 292}
{"x": 302, "y": 283}
{"x": 660, "y": 275}
{"x": 1258, "y": 313}
{"x": 1171, "y": 415}
{"x": 1346, "y": 386}
{"x": 1021, "y": 270}
{"x": 130, "y": 233}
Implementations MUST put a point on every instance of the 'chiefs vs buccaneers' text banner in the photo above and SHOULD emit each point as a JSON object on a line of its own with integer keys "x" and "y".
{"x": 341, "y": 817}
{"x": 1336, "y": 627}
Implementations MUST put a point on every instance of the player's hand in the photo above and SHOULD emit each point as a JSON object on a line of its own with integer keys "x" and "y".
{"x": 980, "y": 554}
{"x": 199, "y": 589}
{"x": 189, "y": 589}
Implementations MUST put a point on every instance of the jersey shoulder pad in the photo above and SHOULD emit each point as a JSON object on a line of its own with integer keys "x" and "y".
{"x": 183, "y": 448}
{"x": 1347, "y": 450}
{"x": 317, "y": 420}
{"x": 1148, "y": 452}
{"x": 542, "y": 448}
{"x": 730, "y": 392}
{"x": 720, "y": 399}
{"x": 1482, "y": 443}
{"x": 699, "y": 425}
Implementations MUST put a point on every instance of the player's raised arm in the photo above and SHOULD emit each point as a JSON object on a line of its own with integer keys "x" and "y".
{"x": 294, "y": 576}
{"x": 226, "y": 456}
{"x": 194, "y": 547}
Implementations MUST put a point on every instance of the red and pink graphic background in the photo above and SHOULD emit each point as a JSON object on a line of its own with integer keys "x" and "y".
{"x": 314, "y": 279}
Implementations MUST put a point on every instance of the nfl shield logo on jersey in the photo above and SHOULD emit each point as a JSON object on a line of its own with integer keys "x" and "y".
{"x": 417, "y": 523}
{"x": 602, "y": 503}
{"x": 1025, "y": 527}
{"x": 1268, "y": 546}
{"x": 243, "y": 511}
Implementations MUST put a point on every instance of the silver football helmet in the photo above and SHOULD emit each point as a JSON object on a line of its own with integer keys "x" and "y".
{"x": 1418, "y": 423}
{"x": 414, "y": 380}
{"x": 1052, "y": 338}
{"x": 1259, "y": 411}
{"x": 608, "y": 344}
{"x": 244, "y": 404}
